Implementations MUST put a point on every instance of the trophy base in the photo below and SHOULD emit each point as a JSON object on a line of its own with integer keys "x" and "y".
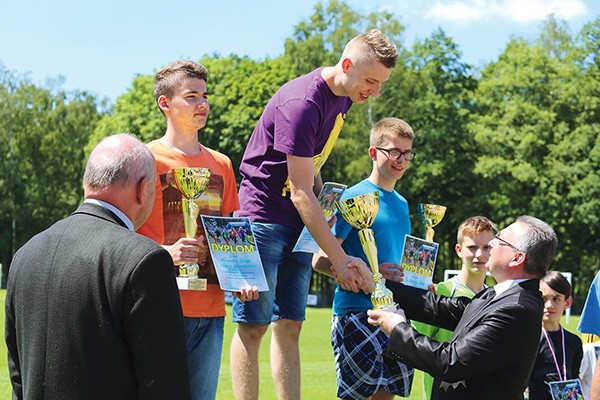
{"x": 187, "y": 283}
{"x": 382, "y": 297}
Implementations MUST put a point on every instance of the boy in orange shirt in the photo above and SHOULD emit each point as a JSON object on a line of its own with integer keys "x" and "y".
{"x": 181, "y": 95}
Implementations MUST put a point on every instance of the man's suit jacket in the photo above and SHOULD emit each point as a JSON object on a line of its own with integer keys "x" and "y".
{"x": 493, "y": 347}
{"x": 93, "y": 312}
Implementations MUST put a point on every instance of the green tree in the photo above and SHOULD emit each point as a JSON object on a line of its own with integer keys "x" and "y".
{"x": 320, "y": 39}
{"x": 239, "y": 89}
{"x": 579, "y": 154}
{"x": 435, "y": 96}
{"x": 134, "y": 112}
{"x": 537, "y": 128}
{"x": 43, "y": 134}
{"x": 555, "y": 38}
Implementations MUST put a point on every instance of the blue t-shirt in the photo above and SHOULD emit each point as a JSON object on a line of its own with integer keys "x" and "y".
{"x": 304, "y": 119}
{"x": 590, "y": 316}
{"x": 390, "y": 226}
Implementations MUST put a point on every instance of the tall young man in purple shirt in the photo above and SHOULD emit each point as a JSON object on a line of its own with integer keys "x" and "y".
{"x": 280, "y": 179}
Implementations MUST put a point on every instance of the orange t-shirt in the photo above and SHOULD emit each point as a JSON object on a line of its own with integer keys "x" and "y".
{"x": 165, "y": 224}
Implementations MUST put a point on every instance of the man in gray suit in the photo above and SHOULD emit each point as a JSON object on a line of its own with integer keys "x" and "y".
{"x": 496, "y": 334}
{"x": 92, "y": 309}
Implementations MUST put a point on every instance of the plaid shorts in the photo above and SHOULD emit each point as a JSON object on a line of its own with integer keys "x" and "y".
{"x": 362, "y": 369}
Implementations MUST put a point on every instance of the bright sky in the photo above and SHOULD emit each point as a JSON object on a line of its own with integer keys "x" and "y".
{"x": 101, "y": 46}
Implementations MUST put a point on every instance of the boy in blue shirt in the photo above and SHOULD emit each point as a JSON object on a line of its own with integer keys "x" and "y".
{"x": 362, "y": 370}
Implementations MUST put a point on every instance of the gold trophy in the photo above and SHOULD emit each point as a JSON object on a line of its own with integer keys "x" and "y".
{"x": 360, "y": 212}
{"x": 191, "y": 182}
{"x": 431, "y": 215}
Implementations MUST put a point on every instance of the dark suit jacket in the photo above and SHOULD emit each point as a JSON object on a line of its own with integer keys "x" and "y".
{"x": 492, "y": 350}
{"x": 93, "y": 312}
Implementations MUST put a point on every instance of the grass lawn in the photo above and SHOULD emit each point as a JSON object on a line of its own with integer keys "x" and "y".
{"x": 318, "y": 373}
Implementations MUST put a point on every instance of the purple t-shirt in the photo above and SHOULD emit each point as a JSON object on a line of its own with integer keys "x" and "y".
{"x": 304, "y": 119}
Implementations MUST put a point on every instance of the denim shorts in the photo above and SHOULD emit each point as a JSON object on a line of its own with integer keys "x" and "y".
{"x": 204, "y": 337}
{"x": 288, "y": 276}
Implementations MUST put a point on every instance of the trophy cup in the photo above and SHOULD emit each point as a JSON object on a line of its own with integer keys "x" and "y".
{"x": 360, "y": 212}
{"x": 431, "y": 215}
{"x": 191, "y": 182}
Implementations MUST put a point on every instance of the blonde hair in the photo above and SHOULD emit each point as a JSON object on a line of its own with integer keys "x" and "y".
{"x": 369, "y": 46}
{"x": 473, "y": 225}
{"x": 388, "y": 129}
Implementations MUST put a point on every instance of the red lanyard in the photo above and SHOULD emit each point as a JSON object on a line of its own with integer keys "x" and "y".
{"x": 564, "y": 358}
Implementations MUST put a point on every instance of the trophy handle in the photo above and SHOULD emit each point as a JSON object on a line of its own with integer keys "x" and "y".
{"x": 367, "y": 240}
{"x": 429, "y": 233}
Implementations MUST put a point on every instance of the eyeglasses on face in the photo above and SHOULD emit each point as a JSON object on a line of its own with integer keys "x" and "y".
{"x": 503, "y": 242}
{"x": 395, "y": 154}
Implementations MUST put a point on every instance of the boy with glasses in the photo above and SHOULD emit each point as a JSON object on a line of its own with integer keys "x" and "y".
{"x": 362, "y": 371}
{"x": 496, "y": 334}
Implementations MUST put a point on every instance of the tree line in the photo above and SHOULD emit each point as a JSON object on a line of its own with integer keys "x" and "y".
{"x": 518, "y": 135}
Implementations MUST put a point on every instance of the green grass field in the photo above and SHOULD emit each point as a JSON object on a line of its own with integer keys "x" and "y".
{"x": 318, "y": 373}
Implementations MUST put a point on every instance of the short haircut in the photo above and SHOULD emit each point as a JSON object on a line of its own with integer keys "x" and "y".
{"x": 474, "y": 225}
{"x": 539, "y": 245}
{"x": 169, "y": 78}
{"x": 111, "y": 164}
{"x": 557, "y": 282}
{"x": 369, "y": 46}
{"x": 388, "y": 129}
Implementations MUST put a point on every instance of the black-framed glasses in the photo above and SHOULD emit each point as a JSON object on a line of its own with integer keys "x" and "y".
{"x": 503, "y": 242}
{"x": 395, "y": 154}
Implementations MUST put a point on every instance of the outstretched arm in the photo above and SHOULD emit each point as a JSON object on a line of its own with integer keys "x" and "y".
{"x": 301, "y": 176}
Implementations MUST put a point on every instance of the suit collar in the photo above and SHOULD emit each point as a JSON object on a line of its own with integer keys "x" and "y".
{"x": 97, "y": 210}
{"x": 114, "y": 210}
{"x": 479, "y": 306}
{"x": 504, "y": 286}
{"x": 515, "y": 286}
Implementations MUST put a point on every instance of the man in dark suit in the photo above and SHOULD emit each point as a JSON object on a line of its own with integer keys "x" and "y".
{"x": 92, "y": 309}
{"x": 496, "y": 334}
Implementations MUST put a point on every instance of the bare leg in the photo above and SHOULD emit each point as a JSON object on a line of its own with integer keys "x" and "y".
{"x": 285, "y": 358}
{"x": 243, "y": 359}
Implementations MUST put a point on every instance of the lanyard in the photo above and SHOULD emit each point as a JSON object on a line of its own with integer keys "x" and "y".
{"x": 564, "y": 359}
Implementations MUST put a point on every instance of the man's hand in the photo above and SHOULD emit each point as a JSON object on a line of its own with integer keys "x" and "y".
{"x": 366, "y": 275}
{"x": 386, "y": 319}
{"x": 392, "y": 272}
{"x": 432, "y": 287}
{"x": 247, "y": 293}
{"x": 185, "y": 251}
{"x": 352, "y": 275}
